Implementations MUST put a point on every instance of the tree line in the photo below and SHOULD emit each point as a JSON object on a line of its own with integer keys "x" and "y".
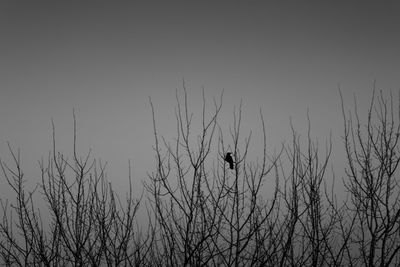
{"x": 201, "y": 212}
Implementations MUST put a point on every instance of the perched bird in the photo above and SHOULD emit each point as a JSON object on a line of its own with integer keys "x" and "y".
{"x": 229, "y": 159}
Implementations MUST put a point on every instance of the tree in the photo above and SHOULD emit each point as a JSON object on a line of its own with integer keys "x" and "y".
{"x": 372, "y": 180}
{"x": 202, "y": 213}
{"x": 88, "y": 223}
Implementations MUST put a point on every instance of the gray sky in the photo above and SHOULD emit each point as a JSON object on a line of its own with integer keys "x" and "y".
{"x": 106, "y": 58}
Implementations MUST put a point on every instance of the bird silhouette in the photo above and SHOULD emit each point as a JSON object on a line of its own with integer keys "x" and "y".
{"x": 229, "y": 159}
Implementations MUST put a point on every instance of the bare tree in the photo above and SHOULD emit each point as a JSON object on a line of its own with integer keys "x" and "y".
{"x": 208, "y": 217}
{"x": 87, "y": 222}
{"x": 372, "y": 181}
{"x": 274, "y": 209}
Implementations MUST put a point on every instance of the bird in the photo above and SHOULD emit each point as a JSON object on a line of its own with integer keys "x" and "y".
{"x": 229, "y": 159}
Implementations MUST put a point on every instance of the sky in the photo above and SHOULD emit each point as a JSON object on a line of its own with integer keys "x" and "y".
{"x": 104, "y": 59}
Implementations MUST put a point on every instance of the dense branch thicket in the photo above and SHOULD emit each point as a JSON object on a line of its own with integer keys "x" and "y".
{"x": 203, "y": 213}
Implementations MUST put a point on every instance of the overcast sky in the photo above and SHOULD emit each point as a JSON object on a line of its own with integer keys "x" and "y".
{"x": 104, "y": 59}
